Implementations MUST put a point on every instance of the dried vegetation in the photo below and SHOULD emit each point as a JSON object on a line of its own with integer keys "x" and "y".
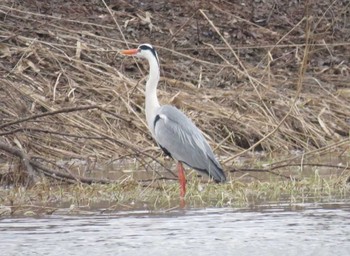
{"x": 261, "y": 77}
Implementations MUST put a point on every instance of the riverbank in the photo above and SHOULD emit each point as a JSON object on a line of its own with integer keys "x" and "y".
{"x": 46, "y": 199}
{"x": 267, "y": 83}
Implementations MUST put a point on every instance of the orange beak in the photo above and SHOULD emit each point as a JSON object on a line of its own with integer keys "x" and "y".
{"x": 129, "y": 52}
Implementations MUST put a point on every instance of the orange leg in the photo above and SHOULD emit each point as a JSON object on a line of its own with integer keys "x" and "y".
{"x": 182, "y": 179}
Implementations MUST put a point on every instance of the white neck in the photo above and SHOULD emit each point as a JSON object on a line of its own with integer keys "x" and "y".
{"x": 152, "y": 103}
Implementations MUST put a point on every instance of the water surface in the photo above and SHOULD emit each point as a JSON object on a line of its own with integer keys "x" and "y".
{"x": 281, "y": 230}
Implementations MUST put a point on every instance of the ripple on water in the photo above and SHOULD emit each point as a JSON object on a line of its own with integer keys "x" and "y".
{"x": 309, "y": 229}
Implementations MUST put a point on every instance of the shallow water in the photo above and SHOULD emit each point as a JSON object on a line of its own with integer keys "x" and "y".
{"x": 306, "y": 229}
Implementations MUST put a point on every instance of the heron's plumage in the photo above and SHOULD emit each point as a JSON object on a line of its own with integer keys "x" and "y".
{"x": 176, "y": 133}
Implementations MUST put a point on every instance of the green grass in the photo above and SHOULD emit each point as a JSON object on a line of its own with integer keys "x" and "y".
{"x": 44, "y": 198}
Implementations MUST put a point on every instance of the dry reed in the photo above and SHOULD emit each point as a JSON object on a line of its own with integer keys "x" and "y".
{"x": 72, "y": 104}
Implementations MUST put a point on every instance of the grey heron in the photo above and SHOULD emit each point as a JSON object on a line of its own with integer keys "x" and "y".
{"x": 173, "y": 131}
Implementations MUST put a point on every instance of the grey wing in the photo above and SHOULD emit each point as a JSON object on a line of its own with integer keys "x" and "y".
{"x": 179, "y": 137}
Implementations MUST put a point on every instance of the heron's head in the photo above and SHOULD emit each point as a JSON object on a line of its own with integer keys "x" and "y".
{"x": 145, "y": 51}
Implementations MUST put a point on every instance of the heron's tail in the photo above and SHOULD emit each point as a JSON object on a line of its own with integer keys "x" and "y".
{"x": 215, "y": 171}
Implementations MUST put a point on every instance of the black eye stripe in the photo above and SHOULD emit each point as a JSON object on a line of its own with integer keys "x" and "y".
{"x": 145, "y": 47}
{"x": 150, "y": 48}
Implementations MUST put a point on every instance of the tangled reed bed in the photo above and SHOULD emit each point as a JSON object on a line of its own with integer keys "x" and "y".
{"x": 71, "y": 105}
